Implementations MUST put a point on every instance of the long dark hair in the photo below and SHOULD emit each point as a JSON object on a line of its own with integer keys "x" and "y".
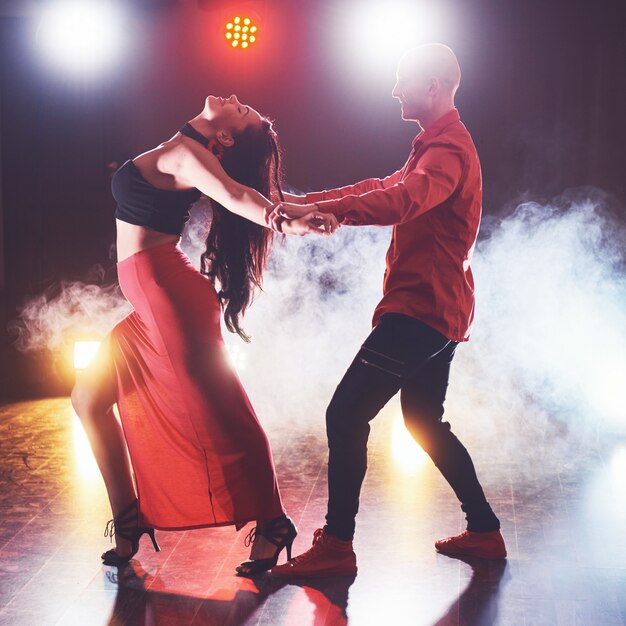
{"x": 236, "y": 248}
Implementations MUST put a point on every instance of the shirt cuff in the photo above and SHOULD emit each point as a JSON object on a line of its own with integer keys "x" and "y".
{"x": 332, "y": 206}
{"x": 314, "y": 196}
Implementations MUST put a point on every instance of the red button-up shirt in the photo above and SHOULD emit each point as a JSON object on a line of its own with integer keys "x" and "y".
{"x": 434, "y": 204}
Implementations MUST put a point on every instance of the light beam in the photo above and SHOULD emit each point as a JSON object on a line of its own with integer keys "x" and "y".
{"x": 80, "y": 36}
{"x": 380, "y": 32}
{"x": 84, "y": 351}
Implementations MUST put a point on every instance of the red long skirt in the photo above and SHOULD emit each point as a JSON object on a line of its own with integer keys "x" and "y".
{"x": 199, "y": 454}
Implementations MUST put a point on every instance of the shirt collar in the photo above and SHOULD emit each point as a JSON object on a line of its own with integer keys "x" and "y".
{"x": 436, "y": 127}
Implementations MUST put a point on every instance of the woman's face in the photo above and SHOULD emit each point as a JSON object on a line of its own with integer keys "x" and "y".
{"x": 230, "y": 114}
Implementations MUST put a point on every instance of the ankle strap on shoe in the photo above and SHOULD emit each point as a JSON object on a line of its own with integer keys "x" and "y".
{"x": 270, "y": 531}
{"x": 121, "y": 523}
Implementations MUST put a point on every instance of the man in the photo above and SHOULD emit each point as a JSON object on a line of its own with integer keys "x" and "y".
{"x": 434, "y": 205}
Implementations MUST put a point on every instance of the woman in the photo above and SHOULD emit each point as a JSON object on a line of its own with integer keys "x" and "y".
{"x": 199, "y": 456}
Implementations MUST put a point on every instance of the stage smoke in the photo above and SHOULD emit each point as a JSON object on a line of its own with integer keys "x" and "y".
{"x": 307, "y": 325}
{"x": 545, "y": 365}
{"x": 547, "y": 355}
{"x": 67, "y": 311}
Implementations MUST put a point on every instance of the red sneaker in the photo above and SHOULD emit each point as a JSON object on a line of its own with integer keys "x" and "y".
{"x": 482, "y": 545}
{"x": 328, "y": 556}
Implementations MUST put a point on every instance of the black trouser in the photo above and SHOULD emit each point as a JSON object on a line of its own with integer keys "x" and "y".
{"x": 402, "y": 354}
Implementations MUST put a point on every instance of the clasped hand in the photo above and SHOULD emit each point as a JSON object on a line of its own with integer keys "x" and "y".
{"x": 300, "y": 219}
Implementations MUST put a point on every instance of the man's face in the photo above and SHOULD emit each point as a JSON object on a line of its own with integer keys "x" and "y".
{"x": 411, "y": 89}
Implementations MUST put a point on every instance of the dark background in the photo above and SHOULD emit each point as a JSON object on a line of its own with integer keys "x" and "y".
{"x": 543, "y": 94}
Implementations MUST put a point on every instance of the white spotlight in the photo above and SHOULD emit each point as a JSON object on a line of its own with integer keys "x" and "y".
{"x": 237, "y": 356}
{"x": 80, "y": 36}
{"x": 382, "y": 31}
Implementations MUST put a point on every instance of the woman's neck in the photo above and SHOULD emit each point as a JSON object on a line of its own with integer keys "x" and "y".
{"x": 203, "y": 125}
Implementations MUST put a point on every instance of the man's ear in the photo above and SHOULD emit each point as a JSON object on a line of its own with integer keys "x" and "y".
{"x": 225, "y": 138}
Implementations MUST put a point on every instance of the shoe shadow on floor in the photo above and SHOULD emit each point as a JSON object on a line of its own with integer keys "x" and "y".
{"x": 478, "y": 604}
{"x": 329, "y": 597}
{"x": 137, "y": 605}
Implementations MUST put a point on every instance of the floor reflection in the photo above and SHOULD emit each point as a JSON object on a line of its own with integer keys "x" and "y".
{"x": 478, "y": 604}
{"x": 563, "y": 519}
{"x": 321, "y": 602}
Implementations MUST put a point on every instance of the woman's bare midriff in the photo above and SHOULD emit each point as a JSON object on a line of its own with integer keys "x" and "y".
{"x": 132, "y": 239}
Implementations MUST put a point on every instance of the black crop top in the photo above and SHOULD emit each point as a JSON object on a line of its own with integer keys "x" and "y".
{"x": 143, "y": 204}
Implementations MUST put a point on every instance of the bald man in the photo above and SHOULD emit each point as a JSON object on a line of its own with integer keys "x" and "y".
{"x": 434, "y": 206}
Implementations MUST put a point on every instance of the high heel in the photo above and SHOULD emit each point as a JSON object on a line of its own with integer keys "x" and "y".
{"x": 126, "y": 526}
{"x": 281, "y": 531}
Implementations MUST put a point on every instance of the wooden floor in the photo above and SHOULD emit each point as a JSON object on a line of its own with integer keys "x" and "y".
{"x": 564, "y": 522}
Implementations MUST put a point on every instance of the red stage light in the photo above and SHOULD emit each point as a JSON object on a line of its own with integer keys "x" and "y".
{"x": 241, "y": 32}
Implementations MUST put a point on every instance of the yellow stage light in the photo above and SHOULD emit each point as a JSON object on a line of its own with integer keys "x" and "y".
{"x": 86, "y": 466}
{"x": 239, "y": 31}
{"x": 405, "y": 451}
{"x": 84, "y": 351}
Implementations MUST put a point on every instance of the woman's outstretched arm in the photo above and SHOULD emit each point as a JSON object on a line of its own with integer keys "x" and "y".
{"x": 197, "y": 167}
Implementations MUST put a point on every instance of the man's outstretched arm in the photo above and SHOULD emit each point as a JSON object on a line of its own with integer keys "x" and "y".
{"x": 364, "y": 186}
{"x": 432, "y": 182}
{"x": 350, "y": 190}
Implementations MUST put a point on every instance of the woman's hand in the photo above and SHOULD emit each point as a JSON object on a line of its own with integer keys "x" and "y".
{"x": 314, "y": 222}
{"x": 276, "y": 214}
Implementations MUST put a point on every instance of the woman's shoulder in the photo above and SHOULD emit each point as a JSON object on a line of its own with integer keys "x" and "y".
{"x": 165, "y": 157}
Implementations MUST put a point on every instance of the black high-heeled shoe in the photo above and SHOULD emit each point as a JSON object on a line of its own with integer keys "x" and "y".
{"x": 126, "y": 526}
{"x": 281, "y": 531}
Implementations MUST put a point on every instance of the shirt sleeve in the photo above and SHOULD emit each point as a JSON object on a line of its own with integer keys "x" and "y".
{"x": 432, "y": 181}
{"x": 354, "y": 190}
